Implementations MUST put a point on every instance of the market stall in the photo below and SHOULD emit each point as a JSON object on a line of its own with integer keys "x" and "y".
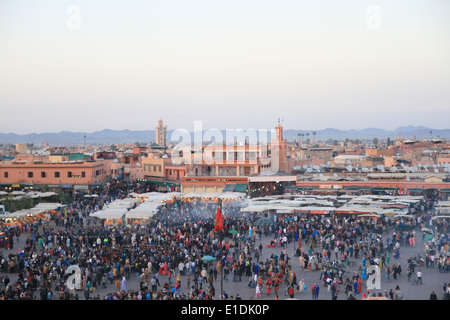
{"x": 110, "y": 216}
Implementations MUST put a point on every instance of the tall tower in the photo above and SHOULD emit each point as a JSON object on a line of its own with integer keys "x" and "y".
{"x": 279, "y": 150}
{"x": 161, "y": 134}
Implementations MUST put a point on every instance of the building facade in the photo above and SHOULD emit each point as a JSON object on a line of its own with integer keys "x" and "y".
{"x": 53, "y": 173}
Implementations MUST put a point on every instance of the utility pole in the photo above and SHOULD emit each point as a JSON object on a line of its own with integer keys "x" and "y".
{"x": 221, "y": 253}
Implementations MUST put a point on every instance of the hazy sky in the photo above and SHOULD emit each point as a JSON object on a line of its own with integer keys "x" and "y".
{"x": 84, "y": 65}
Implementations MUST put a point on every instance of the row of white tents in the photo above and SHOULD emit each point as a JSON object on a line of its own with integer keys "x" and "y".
{"x": 39, "y": 208}
{"x": 371, "y": 204}
{"x": 146, "y": 205}
{"x": 443, "y": 207}
{"x": 31, "y": 194}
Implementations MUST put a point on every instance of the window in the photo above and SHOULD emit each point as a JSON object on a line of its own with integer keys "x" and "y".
{"x": 43, "y": 174}
{"x": 83, "y": 174}
{"x": 56, "y": 174}
{"x": 5, "y": 174}
{"x": 69, "y": 174}
{"x": 30, "y": 174}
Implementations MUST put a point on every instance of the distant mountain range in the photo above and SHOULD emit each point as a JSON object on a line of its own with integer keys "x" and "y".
{"x": 107, "y": 136}
{"x": 407, "y": 132}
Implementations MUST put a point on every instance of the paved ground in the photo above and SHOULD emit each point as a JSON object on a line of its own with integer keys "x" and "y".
{"x": 432, "y": 278}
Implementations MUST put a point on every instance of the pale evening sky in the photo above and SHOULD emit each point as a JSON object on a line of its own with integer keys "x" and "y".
{"x": 84, "y": 65}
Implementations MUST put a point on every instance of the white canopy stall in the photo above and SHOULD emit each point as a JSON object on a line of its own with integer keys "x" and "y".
{"x": 112, "y": 216}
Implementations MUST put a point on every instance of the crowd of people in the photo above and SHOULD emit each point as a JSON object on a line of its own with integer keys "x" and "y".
{"x": 175, "y": 242}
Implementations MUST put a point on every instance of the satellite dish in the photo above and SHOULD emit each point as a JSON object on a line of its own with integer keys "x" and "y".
{"x": 309, "y": 170}
{"x": 365, "y": 170}
{"x": 138, "y": 164}
{"x": 436, "y": 170}
{"x": 407, "y": 179}
{"x": 393, "y": 169}
{"x": 349, "y": 168}
{"x": 115, "y": 160}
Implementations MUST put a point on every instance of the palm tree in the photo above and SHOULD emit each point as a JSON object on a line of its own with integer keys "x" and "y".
{"x": 375, "y": 141}
{"x": 301, "y": 135}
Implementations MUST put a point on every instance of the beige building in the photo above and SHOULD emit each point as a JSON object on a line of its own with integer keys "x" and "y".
{"x": 21, "y": 147}
{"x": 380, "y": 152}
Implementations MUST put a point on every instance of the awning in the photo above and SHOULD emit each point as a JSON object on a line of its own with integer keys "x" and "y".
{"x": 445, "y": 190}
{"x": 109, "y": 213}
{"x": 80, "y": 187}
{"x": 229, "y": 187}
{"x": 240, "y": 187}
{"x": 383, "y": 189}
{"x": 319, "y": 212}
{"x": 164, "y": 183}
{"x": 304, "y": 188}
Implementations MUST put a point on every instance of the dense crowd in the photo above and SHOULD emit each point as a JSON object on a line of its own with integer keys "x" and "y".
{"x": 176, "y": 240}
